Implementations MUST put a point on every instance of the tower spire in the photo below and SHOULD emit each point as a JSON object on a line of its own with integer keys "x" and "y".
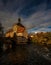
{"x": 19, "y": 20}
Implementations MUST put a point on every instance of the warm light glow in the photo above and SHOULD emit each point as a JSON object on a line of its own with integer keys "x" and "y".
{"x": 19, "y": 34}
{"x": 20, "y": 31}
{"x": 9, "y": 34}
{"x": 35, "y": 32}
{"x": 31, "y": 36}
{"x": 15, "y": 28}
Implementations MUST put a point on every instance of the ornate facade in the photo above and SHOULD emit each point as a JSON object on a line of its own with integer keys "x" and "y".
{"x": 18, "y": 29}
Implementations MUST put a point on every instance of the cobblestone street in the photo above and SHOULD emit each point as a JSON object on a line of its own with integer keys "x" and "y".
{"x": 23, "y": 55}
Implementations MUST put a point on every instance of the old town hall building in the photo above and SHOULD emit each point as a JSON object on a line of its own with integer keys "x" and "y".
{"x": 19, "y": 30}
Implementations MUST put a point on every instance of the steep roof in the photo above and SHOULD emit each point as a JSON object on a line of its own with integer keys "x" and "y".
{"x": 19, "y": 24}
{"x": 10, "y": 30}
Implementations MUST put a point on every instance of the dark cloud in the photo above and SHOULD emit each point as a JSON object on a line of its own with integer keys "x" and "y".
{"x": 33, "y": 12}
{"x": 27, "y": 6}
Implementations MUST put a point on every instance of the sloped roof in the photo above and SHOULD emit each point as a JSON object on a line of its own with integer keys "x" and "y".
{"x": 10, "y": 30}
{"x": 19, "y": 23}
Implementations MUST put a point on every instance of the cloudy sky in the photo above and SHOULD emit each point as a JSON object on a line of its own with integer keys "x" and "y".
{"x": 35, "y": 14}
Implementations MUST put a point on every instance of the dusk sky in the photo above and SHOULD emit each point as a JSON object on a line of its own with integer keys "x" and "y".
{"x": 35, "y": 14}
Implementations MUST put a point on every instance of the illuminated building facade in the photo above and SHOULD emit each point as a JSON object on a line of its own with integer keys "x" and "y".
{"x": 18, "y": 29}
